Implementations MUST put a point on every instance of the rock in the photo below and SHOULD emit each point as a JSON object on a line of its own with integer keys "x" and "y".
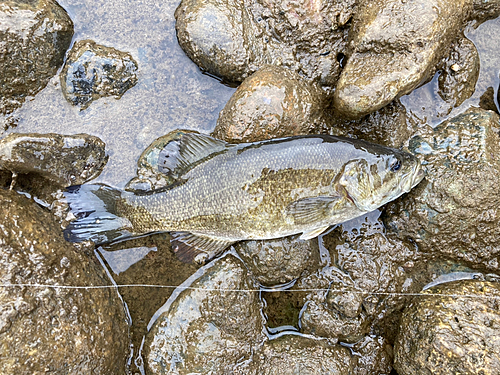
{"x": 64, "y": 159}
{"x": 455, "y": 212}
{"x": 390, "y": 126}
{"x": 452, "y": 328}
{"x": 374, "y": 356}
{"x": 487, "y": 100}
{"x": 210, "y": 328}
{"x": 93, "y": 71}
{"x": 34, "y": 36}
{"x": 290, "y": 354}
{"x": 459, "y": 73}
{"x": 361, "y": 289}
{"x": 485, "y": 10}
{"x": 45, "y": 329}
{"x": 394, "y": 47}
{"x": 278, "y": 261}
{"x": 233, "y": 39}
{"x": 274, "y": 102}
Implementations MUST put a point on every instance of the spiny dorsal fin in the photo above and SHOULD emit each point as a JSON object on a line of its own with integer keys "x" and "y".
{"x": 191, "y": 247}
{"x": 185, "y": 150}
{"x": 310, "y": 210}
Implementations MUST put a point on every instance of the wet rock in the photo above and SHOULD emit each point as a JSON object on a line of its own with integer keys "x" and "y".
{"x": 374, "y": 356}
{"x": 459, "y": 73}
{"x": 487, "y": 100}
{"x": 93, "y": 71}
{"x": 361, "y": 288}
{"x": 34, "y": 36}
{"x": 279, "y": 261}
{"x": 273, "y": 102}
{"x": 233, "y": 39}
{"x": 211, "y": 328}
{"x": 389, "y": 126}
{"x": 291, "y": 354}
{"x": 44, "y": 329}
{"x": 64, "y": 159}
{"x": 394, "y": 46}
{"x": 451, "y": 329}
{"x": 454, "y": 213}
{"x": 485, "y": 10}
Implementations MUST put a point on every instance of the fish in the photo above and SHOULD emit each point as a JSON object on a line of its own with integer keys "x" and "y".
{"x": 222, "y": 193}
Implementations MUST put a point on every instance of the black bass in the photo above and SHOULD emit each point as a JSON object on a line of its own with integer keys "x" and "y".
{"x": 223, "y": 193}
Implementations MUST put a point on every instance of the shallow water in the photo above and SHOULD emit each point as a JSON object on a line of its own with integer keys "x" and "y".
{"x": 173, "y": 93}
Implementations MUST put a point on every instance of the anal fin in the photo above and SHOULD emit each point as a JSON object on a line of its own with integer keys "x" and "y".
{"x": 195, "y": 248}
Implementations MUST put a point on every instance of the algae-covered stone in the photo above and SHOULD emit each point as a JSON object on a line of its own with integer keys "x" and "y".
{"x": 374, "y": 356}
{"x": 298, "y": 355}
{"x": 459, "y": 73}
{"x": 389, "y": 126}
{"x": 363, "y": 285}
{"x": 233, "y": 39}
{"x": 278, "y": 261}
{"x": 455, "y": 212}
{"x": 93, "y": 71}
{"x": 273, "y": 102}
{"x": 452, "y": 328}
{"x": 394, "y": 47}
{"x": 44, "y": 329}
{"x": 34, "y": 36}
{"x": 64, "y": 159}
{"x": 210, "y": 328}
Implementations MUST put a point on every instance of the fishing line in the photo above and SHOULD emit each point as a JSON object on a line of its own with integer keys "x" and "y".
{"x": 229, "y": 290}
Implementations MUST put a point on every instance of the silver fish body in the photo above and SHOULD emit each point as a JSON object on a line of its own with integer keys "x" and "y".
{"x": 225, "y": 193}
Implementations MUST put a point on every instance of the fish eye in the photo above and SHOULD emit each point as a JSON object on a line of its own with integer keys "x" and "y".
{"x": 395, "y": 165}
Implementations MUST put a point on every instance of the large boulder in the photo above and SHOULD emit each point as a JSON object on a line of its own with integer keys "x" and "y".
{"x": 34, "y": 36}
{"x": 211, "y": 327}
{"x": 45, "y": 325}
{"x": 452, "y": 328}
{"x": 273, "y": 102}
{"x": 454, "y": 213}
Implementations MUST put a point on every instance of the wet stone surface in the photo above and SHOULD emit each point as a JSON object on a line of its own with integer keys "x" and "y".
{"x": 365, "y": 260}
{"x": 93, "y": 71}
{"x": 280, "y": 261}
{"x": 61, "y": 331}
{"x": 232, "y": 39}
{"x": 273, "y": 102}
{"x": 372, "y": 51}
{"x": 212, "y": 328}
{"x": 394, "y": 46}
{"x": 300, "y": 355}
{"x": 63, "y": 159}
{"x": 390, "y": 126}
{"x": 34, "y": 36}
{"x": 453, "y": 334}
{"x": 453, "y": 213}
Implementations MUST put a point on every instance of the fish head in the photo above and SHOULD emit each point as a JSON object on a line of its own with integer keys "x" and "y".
{"x": 379, "y": 178}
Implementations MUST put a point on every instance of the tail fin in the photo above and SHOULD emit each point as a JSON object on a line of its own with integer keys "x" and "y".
{"x": 97, "y": 219}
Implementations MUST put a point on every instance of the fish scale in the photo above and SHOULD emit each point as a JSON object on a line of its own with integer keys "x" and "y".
{"x": 225, "y": 193}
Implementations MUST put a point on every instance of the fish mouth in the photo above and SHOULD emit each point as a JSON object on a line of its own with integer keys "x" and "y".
{"x": 417, "y": 176}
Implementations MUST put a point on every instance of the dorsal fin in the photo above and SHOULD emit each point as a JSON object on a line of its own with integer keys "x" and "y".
{"x": 185, "y": 150}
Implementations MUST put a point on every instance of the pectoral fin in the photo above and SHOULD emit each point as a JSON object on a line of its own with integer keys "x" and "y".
{"x": 313, "y": 233}
{"x": 190, "y": 247}
{"x": 311, "y": 210}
